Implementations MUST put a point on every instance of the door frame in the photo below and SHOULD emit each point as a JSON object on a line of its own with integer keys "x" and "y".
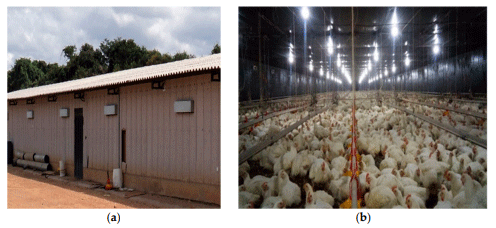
{"x": 78, "y": 142}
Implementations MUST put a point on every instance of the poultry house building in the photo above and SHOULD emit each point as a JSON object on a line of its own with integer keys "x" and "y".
{"x": 159, "y": 124}
{"x": 363, "y": 107}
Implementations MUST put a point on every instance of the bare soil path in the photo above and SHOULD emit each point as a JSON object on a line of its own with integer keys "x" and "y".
{"x": 27, "y": 190}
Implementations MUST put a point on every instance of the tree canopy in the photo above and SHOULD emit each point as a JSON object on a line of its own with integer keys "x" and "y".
{"x": 216, "y": 49}
{"x": 112, "y": 55}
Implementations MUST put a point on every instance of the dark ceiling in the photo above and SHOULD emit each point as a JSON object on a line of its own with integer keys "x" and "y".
{"x": 265, "y": 34}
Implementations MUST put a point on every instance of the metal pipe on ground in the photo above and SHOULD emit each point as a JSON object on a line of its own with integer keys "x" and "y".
{"x": 43, "y": 158}
{"x": 34, "y": 165}
{"x": 28, "y": 156}
{"x": 18, "y": 154}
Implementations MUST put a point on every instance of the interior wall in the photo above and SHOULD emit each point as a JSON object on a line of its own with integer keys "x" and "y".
{"x": 277, "y": 82}
{"x": 460, "y": 74}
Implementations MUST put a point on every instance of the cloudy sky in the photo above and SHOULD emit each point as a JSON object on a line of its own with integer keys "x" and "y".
{"x": 42, "y": 33}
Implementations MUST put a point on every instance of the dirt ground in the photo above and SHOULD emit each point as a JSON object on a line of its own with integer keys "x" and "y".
{"x": 27, "y": 190}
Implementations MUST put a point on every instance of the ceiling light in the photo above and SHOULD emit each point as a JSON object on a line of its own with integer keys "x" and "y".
{"x": 305, "y": 13}
{"x": 436, "y": 49}
{"x": 407, "y": 61}
{"x": 394, "y": 20}
{"x": 394, "y": 31}
{"x": 330, "y": 46}
{"x": 376, "y": 55}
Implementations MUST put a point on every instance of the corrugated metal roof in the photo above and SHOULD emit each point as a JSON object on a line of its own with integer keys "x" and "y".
{"x": 121, "y": 77}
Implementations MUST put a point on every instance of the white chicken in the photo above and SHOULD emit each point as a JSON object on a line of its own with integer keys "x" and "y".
{"x": 273, "y": 202}
{"x": 312, "y": 203}
{"x": 380, "y": 197}
{"x": 247, "y": 199}
{"x": 320, "y": 172}
{"x": 319, "y": 195}
{"x": 288, "y": 191}
{"x": 413, "y": 201}
{"x": 302, "y": 163}
{"x": 398, "y": 151}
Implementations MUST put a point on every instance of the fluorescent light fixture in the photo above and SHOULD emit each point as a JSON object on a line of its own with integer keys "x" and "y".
{"x": 407, "y": 61}
{"x": 330, "y": 46}
{"x": 435, "y": 49}
{"x": 394, "y": 20}
{"x": 305, "y": 13}
{"x": 394, "y": 31}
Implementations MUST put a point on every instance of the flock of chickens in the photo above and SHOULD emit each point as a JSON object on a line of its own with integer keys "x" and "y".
{"x": 403, "y": 162}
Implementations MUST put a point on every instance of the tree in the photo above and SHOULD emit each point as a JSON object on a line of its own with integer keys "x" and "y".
{"x": 88, "y": 62}
{"x": 154, "y": 57}
{"x": 113, "y": 55}
{"x": 69, "y": 51}
{"x": 24, "y": 74}
{"x": 216, "y": 49}
{"x": 122, "y": 54}
{"x": 182, "y": 55}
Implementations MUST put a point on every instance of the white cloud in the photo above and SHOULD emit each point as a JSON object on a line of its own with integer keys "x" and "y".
{"x": 123, "y": 19}
{"x": 42, "y": 33}
{"x": 10, "y": 60}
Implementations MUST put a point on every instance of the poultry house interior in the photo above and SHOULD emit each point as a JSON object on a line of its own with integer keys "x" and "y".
{"x": 362, "y": 107}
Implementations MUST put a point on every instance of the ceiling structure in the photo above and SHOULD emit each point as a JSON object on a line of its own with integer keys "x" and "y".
{"x": 424, "y": 35}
